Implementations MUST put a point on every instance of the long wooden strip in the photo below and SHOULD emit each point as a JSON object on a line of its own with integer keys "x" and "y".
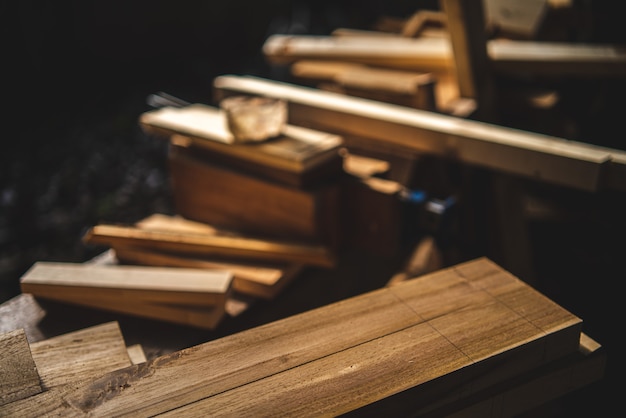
{"x": 18, "y": 371}
{"x": 542, "y": 157}
{"x": 185, "y": 286}
{"x": 435, "y": 54}
{"x": 460, "y": 339}
{"x": 221, "y": 246}
{"x": 84, "y": 354}
{"x": 421, "y": 54}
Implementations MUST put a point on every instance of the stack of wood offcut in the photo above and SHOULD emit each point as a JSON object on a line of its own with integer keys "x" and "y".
{"x": 469, "y": 340}
{"x": 250, "y": 216}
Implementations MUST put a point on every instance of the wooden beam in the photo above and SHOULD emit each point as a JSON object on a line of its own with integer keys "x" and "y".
{"x": 129, "y": 284}
{"x": 540, "y": 157}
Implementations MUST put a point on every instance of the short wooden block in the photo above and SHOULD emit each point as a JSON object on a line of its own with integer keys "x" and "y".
{"x": 19, "y": 377}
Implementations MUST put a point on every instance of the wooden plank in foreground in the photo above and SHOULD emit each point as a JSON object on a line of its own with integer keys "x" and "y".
{"x": 236, "y": 247}
{"x": 83, "y": 354}
{"x": 540, "y": 157}
{"x": 18, "y": 372}
{"x": 447, "y": 335}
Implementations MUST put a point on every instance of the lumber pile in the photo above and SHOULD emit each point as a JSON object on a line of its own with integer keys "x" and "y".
{"x": 467, "y": 340}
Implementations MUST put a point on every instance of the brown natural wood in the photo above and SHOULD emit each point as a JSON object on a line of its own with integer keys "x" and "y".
{"x": 18, "y": 371}
{"x": 79, "y": 355}
{"x": 510, "y": 398}
{"x": 136, "y": 354}
{"x": 294, "y": 158}
{"x": 541, "y": 157}
{"x": 194, "y": 297}
{"x": 530, "y": 58}
{"x": 205, "y": 317}
{"x": 265, "y": 280}
{"x": 405, "y": 88}
{"x": 259, "y": 280}
{"x": 417, "y": 54}
{"x": 22, "y": 312}
{"x": 466, "y": 26}
{"x": 221, "y": 246}
{"x": 127, "y": 284}
{"x": 222, "y": 196}
{"x": 446, "y": 336}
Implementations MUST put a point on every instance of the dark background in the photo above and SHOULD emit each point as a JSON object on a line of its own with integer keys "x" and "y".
{"x": 76, "y": 77}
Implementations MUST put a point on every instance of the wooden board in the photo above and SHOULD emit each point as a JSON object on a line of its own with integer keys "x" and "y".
{"x": 188, "y": 296}
{"x": 541, "y": 157}
{"x": 79, "y": 355}
{"x": 299, "y": 157}
{"x": 18, "y": 370}
{"x": 447, "y": 336}
{"x": 127, "y": 284}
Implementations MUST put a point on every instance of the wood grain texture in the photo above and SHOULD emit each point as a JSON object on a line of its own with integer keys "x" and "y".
{"x": 19, "y": 377}
{"x": 541, "y": 157}
{"x": 446, "y": 335}
{"x": 83, "y": 354}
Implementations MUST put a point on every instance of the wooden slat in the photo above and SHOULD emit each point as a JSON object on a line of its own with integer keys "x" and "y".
{"x": 531, "y": 58}
{"x": 457, "y": 331}
{"x": 221, "y": 246}
{"x": 127, "y": 284}
{"x": 205, "y": 317}
{"x": 84, "y": 354}
{"x": 18, "y": 372}
{"x": 541, "y": 157}
{"x": 465, "y": 23}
